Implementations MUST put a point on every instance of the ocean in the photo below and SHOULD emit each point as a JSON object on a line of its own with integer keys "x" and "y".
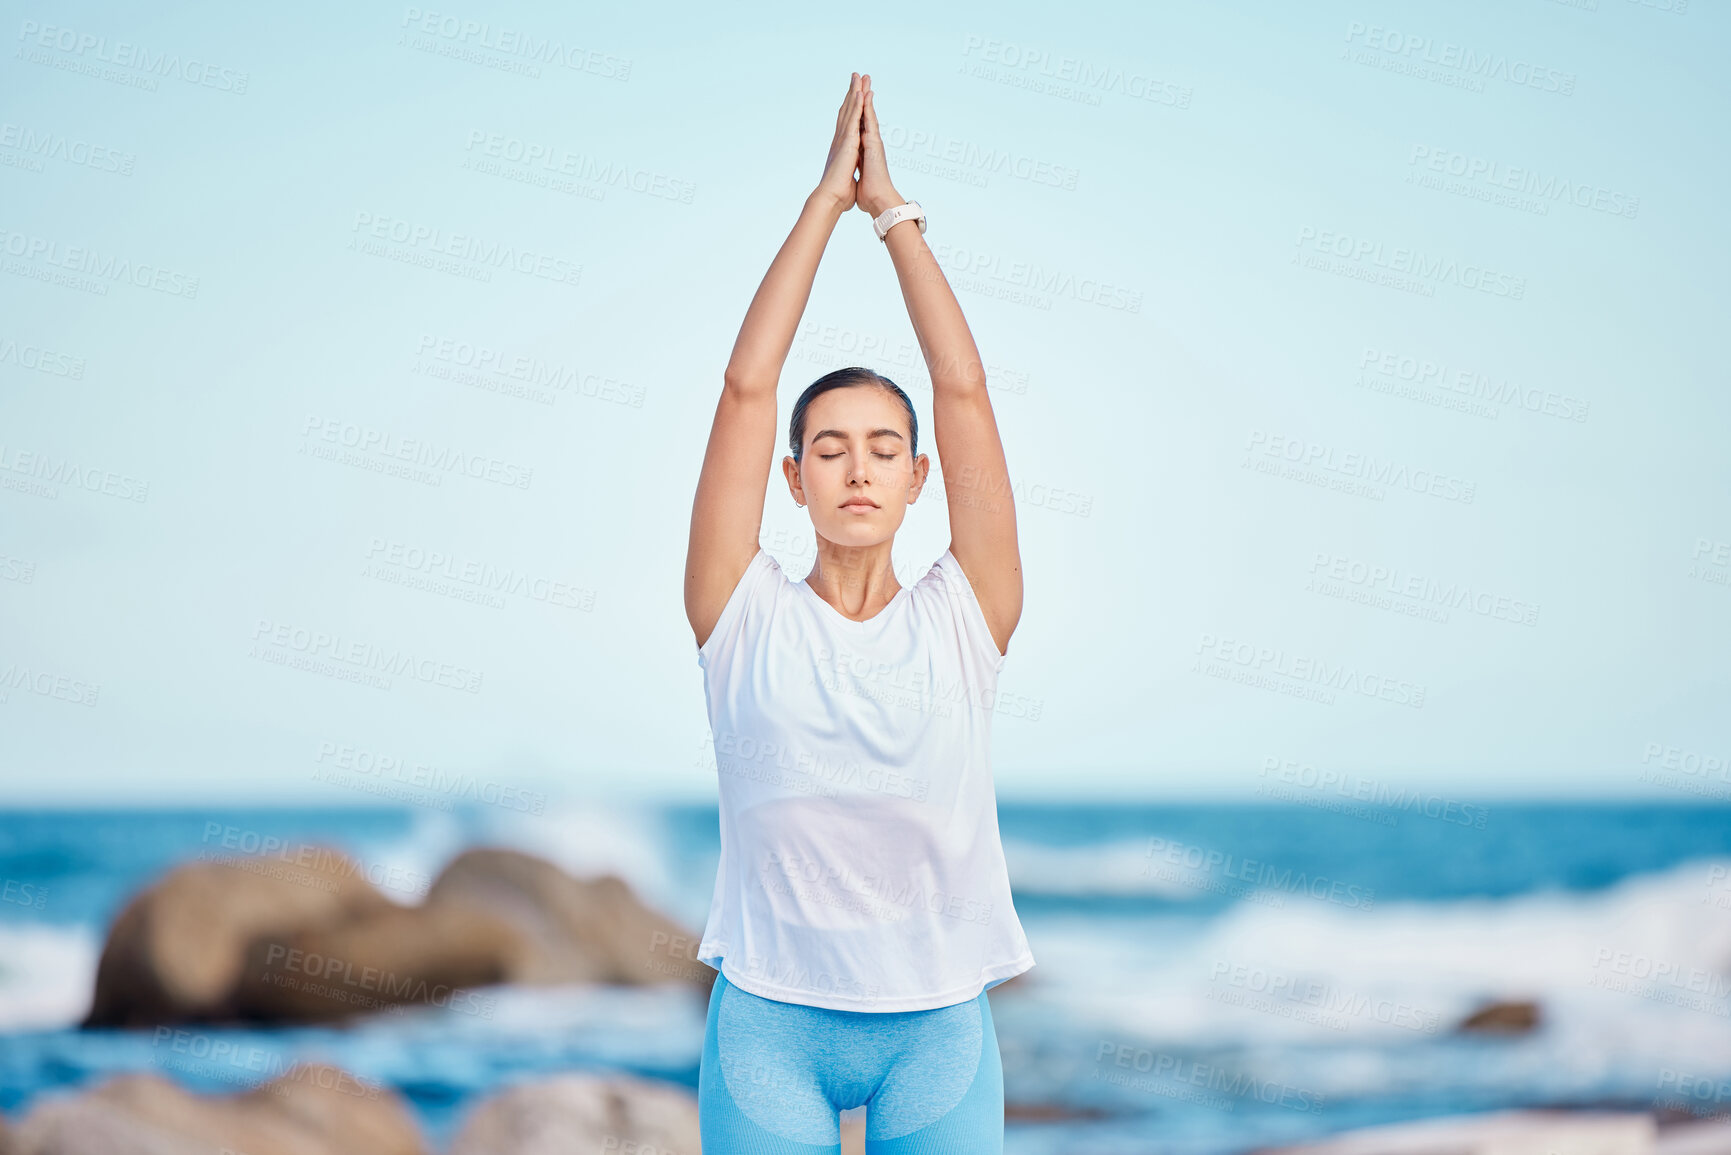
{"x": 1208, "y": 979}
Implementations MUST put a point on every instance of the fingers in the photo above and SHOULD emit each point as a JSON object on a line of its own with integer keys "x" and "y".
{"x": 857, "y": 95}
{"x": 854, "y": 87}
{"x": 845, "y": 150}
{"x": 869, "y": 112}
{"x": 871, "y": 139}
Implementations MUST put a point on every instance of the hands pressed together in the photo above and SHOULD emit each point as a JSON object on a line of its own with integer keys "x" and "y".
{"x": 858, "y": 148}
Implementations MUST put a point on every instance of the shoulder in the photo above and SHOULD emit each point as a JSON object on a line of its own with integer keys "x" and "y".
{"x": 764, "y": 578}
{"x": 948, "y": 577}
{"x": 752, "y": 598}
{"x": 947, "y": 586}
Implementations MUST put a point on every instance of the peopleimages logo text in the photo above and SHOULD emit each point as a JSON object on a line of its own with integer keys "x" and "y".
{"x": 1362, "y": 466}
{"x": 123, "y": 54}
{"x": 1446, "y": 270}
{"x": 1303, "y": 668}
{"x": 1472, "y": 62}
{"x": 464, "y": 246}
{"x": 94, "y": 262}
{"x": 516, "y": 42}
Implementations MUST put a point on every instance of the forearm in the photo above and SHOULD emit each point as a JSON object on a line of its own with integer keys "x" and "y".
{"x": 767, "y": 332}
{"x": 952, "y": 358}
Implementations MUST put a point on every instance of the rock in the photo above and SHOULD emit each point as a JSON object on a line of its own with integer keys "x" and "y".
{"x": 432, "y": 956}
{"x": 1706, "y": 1137}
{"x": 1051, "y": 1112}
{"x": 492, "y": 916}
{"x": 622, "y": 1115}
{"x": 1498, "y": 1133}
{"x": 312, "y": 1109}
{"x": 83, "y": 1126}
{"x": 573, "y": 930}
{"x": 175, "y": 950}
{"x": 275, "y": 940}
{"x": 1502, "y": 1018}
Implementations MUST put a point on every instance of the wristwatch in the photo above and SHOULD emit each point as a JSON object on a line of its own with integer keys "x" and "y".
{"x": 911, "y": 211}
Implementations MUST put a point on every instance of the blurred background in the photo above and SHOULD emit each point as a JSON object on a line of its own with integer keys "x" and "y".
{"x": 1362, "y": 750}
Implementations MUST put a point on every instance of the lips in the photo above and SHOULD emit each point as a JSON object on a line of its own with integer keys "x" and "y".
{"x": 862, "y": 502}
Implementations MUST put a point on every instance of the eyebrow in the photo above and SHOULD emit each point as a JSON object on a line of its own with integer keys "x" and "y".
{"x": 818, "y": 436}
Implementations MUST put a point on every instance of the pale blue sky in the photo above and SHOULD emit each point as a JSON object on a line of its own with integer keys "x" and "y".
{"x": 1197, "y": 158}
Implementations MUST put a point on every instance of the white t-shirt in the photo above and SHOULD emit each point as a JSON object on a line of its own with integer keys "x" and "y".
{"x": 861, "y": 867}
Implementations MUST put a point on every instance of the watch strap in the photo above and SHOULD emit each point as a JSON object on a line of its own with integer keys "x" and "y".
{"x": 909, "y": 210}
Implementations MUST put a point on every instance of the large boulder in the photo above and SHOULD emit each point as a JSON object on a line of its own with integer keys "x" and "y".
{"x": 312, "y": 1109}
{"x": 175, "y": 951}
{"x": 1497, "y": 1133}
{"x": 492, "y": 916}
{"x": 571, "y": 929}
{"x": 86, "y": 1126}
{"x": 431, "y": 956}
{"x": 219, "y": 941}
{"x": 1703, "y": 1137}
{"x": 622, "y": 1114}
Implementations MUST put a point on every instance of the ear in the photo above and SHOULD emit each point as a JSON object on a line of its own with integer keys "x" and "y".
{"x": 790, "y": 470}
{"x": 922, "y": 467}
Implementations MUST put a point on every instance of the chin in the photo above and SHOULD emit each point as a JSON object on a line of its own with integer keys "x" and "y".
{"x": 858, "y": 531}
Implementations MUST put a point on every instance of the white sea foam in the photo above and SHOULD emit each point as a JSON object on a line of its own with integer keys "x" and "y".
{"x": 47, "y": 974}
{"x": 1640, "y": 972}
{"x": 1123, "y": 867}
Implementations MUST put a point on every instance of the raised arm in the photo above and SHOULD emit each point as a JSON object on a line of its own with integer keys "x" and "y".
{"x": 728, "y": 510}
{"x": 976, "y": 476}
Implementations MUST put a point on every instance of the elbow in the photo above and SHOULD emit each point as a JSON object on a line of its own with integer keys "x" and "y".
{"x": 971, "y": 394}
{"x": 959, "y": 384}
{"x": 957, "y": 374}
{"x": 742, "y": 384}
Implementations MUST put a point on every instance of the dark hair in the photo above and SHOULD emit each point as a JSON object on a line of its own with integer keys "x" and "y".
{"x": 836, "y": 379}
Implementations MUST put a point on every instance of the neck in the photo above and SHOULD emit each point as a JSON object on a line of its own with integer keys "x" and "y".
{"x": 858, "y": 580}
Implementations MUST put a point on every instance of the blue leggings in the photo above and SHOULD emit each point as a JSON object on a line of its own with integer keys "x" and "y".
{"x": 775, "y": 1077}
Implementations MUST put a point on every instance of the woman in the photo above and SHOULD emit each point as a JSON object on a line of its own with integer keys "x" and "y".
{"x": 861, "y": 909}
